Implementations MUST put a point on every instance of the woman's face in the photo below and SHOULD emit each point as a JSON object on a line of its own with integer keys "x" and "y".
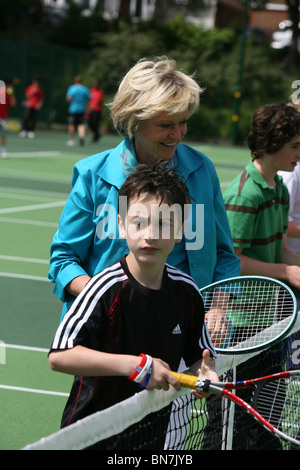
{"x": 157, "y": 138}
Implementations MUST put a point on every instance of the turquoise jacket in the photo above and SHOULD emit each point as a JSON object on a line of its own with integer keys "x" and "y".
{"x": 87, "y": 239}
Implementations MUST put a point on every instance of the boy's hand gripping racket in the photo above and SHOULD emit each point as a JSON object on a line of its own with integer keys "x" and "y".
{"x": 275, "y": 402}
{"x": 257, "y": 312}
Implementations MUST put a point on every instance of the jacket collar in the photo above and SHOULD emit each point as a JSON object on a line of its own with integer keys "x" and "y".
{"x": 188, "y": 161}
{"x": 111, "y": 171}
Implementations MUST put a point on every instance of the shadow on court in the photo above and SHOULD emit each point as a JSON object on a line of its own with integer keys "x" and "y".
{"x": 30, "y": 312}
{"x": 32, "y": 396}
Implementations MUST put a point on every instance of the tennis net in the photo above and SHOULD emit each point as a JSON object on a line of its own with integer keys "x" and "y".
{"x": 159, "y": 420}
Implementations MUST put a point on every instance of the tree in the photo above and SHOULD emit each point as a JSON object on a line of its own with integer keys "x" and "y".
{"x": 22, "y": 18}
{"x": 293, "y": 6}
{"x": 161, "y": 11}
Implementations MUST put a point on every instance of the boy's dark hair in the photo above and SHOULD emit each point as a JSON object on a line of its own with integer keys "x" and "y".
{"x": 273, "y": 125}
{"x": 157, "y": 179}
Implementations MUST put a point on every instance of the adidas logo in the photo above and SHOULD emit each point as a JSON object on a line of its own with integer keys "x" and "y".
{"x": 177, "y": 330}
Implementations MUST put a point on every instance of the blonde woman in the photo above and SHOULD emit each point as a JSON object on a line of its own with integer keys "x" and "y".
{"x": 151, "y": 110}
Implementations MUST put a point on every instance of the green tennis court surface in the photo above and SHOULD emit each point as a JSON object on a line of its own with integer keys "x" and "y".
{"x": 34, "y": 185}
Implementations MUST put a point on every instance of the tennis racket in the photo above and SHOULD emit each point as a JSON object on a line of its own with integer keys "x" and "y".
{"x": 275, "y": 401}
{"x": 257, "y": 311}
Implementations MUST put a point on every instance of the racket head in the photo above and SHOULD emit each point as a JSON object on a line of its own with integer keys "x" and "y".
{"x": 278, "y": 402}
{"x": 259, "y": 311}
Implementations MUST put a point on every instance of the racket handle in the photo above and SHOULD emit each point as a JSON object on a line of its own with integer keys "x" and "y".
{"x": 188, "y": 381}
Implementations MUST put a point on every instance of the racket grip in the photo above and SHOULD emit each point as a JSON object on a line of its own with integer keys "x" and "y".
{"x": 188, "y": 381}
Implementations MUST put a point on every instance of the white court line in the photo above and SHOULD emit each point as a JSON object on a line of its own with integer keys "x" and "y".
{"x": 34, "y": 154}
{"x": 33, "y": 390}
{"x": 26, "y": 348}
{"x": 24, "y": 259}
{"x": 25, "y": 277}
{"x": 23, "y": 197}
{"x": 41, "y": 192}
{"x": 28, "y": 222}
{"x": 30, "y": 175}
{"x": 30, "y": 390}
{"x": 32, "y": 207}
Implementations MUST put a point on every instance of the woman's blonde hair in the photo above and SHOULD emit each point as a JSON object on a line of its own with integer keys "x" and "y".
{"x": 149, "y": 88}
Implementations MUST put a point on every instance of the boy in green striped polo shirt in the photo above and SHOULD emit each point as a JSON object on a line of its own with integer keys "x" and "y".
{"x": 257, "y": 201}
{"x": 257, "y": 204}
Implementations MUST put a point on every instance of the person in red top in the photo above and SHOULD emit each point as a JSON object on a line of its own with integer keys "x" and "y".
{"x": 34, "y": 95}
{"x": 94, "y": 111}
{"x": 7, "y": 99}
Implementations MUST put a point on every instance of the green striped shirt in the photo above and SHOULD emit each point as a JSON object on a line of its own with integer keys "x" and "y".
{"x": 257, "y": 214}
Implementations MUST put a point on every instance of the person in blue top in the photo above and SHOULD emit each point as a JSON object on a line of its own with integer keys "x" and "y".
{"x": 77, "y": 96}
{"x": 151, "y": 109}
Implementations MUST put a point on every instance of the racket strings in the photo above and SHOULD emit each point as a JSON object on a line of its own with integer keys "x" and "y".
{"x": 279, "y": 403}
{"x": 250, "y": 308}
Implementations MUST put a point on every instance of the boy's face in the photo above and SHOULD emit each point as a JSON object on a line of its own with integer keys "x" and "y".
{"x": 151, "y": 228}
{"x": 286, "y": 158}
